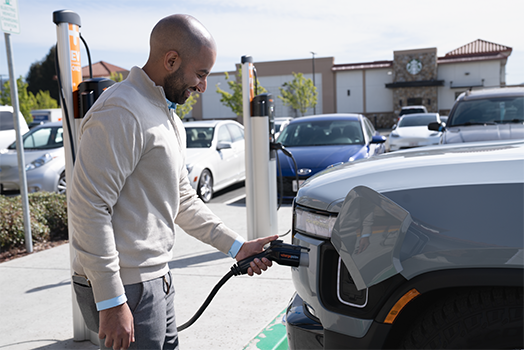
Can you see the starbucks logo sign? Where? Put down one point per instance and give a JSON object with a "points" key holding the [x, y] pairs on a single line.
{"points": [[414, 66]]}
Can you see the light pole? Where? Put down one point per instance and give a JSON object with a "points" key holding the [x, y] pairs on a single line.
{"points": [[313, 62]]}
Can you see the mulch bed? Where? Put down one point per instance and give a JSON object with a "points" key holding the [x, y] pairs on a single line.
{"points": [[37, 247]]}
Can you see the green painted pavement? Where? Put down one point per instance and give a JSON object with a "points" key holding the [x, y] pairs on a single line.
{"points": [[272, 337]]}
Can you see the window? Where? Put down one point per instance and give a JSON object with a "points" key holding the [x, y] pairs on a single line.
{"points": [[224, 135], [236, 132], [43, 138]]}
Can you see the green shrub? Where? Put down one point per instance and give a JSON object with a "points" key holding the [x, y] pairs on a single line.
{"points": [[48, 213]]}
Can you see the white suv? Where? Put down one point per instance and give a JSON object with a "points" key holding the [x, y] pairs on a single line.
{"points": [[7, 128]]}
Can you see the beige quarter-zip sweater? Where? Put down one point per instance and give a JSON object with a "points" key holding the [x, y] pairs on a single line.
{"points": [[130, 187]]}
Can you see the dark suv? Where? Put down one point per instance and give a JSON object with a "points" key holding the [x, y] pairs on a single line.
{"points": [[491, 114]]}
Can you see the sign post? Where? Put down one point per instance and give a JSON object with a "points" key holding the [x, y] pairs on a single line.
{"points": [[11, 24]]}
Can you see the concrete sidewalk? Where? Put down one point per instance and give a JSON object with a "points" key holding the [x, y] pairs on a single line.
{"points": [[36, 306]]}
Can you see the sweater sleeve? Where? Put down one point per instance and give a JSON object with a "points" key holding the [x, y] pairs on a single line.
{"points": [[109, 149], [196, 219]]}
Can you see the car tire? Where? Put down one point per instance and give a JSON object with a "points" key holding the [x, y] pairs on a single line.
{"points": [[205, 186], [481, 318], [61, 188]]}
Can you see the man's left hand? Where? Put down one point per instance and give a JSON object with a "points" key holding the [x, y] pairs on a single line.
{"points": [[254, 247]]}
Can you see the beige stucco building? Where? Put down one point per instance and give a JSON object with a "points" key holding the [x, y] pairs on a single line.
{"points": [[376, 89]]}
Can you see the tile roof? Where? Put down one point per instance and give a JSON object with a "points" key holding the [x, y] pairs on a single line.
{"points": [[480, 47], [365, 65], [102, 69]]}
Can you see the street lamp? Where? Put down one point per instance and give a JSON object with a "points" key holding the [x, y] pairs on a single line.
{"points": [[313, 62]]}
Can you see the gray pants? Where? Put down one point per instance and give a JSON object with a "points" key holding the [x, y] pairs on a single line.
{"points": [[152, 305]]}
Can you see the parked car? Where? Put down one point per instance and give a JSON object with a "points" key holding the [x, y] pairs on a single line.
{"points": [[420, 248], [412, 131], [321, 141], [44, 161], [412, 110], [280, 124], [215, 155], [7, 126], [491, 114]]}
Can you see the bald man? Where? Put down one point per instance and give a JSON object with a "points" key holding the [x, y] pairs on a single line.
{"points": [[130, 188]]}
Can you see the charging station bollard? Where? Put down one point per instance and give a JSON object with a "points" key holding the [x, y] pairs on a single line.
{"points": [[261, 174]]}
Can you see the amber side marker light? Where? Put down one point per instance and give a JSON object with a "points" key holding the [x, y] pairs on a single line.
{"points": [[399, 305]]}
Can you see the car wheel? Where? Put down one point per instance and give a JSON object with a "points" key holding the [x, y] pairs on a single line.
{"points": [[483, 318], [205, 186], [62, 183]]}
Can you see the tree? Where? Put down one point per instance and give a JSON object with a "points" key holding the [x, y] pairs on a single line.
{"points": [[116, 77], [42, 75], [234, 100], [300, 93], [183, 110], [27, 101]]}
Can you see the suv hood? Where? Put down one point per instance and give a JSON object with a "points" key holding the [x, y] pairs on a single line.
{"points": [[423, 167], [474, 133]]}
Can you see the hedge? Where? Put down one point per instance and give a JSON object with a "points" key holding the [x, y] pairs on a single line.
{"points": [[48, 212]]}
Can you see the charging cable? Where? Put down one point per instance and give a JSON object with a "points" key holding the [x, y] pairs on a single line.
{"points": [[279, 252]]}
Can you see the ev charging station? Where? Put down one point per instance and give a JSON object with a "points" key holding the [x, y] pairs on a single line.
{"points": [[76, 96], [261, 168]]}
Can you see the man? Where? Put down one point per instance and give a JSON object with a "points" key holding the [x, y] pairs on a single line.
{"points": [[130, 188]]}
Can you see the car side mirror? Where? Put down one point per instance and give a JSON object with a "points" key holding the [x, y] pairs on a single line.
{"points": [[378, 139], [436, 126], [224, 145], [394, 127]]}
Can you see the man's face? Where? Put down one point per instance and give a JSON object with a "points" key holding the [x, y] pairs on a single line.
{"points": [[189, 77]]}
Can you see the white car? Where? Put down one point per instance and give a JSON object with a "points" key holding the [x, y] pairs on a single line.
{"points": [[412, 131], [215, 155], [7, 128], [44, 161]]}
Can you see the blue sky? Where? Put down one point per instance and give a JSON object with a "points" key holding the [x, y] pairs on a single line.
{"points": [[117, 31]]}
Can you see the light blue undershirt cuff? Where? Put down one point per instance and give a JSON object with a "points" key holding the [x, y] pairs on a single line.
{"points": [[236, 246], [107, 304]]}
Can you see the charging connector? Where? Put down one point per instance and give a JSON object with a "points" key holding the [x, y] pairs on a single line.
{"points": [[278, 251]]}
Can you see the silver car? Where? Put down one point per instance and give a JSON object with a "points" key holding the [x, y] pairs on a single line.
{"points": [[44, 161], [483, 115]]}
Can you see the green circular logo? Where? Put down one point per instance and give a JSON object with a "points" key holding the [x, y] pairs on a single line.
{"points": [[414, 66]]}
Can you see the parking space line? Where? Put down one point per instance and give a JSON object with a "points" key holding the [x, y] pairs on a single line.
{"points": [[272, 337]]}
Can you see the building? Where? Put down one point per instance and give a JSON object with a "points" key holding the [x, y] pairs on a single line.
{"points": [[376, 89], [103, 69]]}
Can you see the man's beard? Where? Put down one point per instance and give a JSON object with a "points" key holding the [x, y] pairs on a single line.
{"points": [[175, 88]]}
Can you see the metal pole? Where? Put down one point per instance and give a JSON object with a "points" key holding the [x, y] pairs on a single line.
{"points": [[313, 61], [19, 146]]}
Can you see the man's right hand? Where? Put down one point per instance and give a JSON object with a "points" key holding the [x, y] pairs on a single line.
{"points": [[117, 327]]}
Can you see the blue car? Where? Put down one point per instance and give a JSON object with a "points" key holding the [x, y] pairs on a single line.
{"points": [[320, 141]]}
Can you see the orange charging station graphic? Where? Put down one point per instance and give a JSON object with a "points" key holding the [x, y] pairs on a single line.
{"points": [[76, 66], [251, 83]]}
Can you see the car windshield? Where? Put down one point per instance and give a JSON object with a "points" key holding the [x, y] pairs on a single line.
{"points": [[323, 132], [43, 138], [419, 120], [489, 111], [200, 137]]}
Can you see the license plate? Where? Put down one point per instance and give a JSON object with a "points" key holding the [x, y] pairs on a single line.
{"points": [[295, 187]]}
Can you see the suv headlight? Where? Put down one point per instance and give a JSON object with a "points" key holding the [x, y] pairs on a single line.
{"points": [[314, 223], [38, 162]]}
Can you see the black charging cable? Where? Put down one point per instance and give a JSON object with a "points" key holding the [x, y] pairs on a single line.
{"points": [[279, 252], [62, 97], [279, 146]]}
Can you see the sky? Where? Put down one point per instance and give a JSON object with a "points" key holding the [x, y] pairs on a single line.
{"points": [[117, 31]]}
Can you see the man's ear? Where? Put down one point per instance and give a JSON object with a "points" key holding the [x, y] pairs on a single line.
{"points": [[172, 61]]}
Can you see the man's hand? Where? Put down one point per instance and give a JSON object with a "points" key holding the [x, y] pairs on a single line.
{"points": [[254, 247], [116, 326]]}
